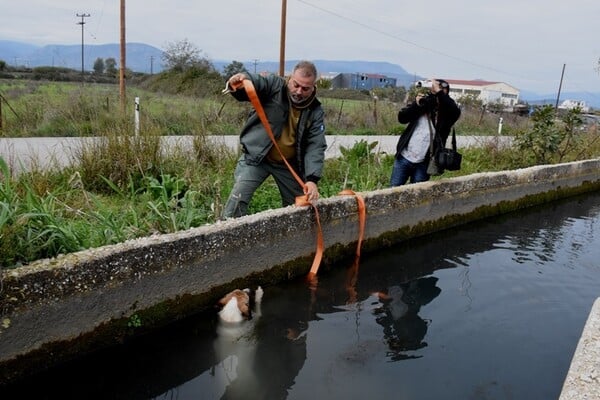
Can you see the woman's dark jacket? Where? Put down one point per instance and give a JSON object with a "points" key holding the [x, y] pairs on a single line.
{"points": [[443, 112], [310, 135]]}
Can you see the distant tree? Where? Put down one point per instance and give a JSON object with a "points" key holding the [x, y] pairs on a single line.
{"points": [[471, 102], [323, 83], [233, 69], [110, 66], [495, 107], [2, 65], [183, 55], [99, 66]]}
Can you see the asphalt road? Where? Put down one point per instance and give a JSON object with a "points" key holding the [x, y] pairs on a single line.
{"points": [[25, 153]]}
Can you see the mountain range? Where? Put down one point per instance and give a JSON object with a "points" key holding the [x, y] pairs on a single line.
{"points": [[144, 58]]}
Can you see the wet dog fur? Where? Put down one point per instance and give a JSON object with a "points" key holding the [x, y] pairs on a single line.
{"points": [[237, 305]]}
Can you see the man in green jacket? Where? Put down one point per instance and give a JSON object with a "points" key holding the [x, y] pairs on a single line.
{"points": [[296, 118]]}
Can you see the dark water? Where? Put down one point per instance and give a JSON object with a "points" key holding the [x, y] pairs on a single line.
{"points": [[491, 310]]}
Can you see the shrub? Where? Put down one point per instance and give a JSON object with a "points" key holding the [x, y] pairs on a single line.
{"points": [[553, 137]]}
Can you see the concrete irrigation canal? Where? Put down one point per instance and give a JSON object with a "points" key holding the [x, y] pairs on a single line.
{"points": [[56, 309]]}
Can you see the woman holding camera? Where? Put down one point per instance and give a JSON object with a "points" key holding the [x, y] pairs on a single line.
{"points": [[412, 150]]}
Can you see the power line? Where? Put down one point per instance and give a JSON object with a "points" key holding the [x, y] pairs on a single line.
{"points": [[100, 20], [405, 40]]}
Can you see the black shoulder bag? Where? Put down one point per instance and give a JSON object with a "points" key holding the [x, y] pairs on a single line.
{"points": [[449, 159]]}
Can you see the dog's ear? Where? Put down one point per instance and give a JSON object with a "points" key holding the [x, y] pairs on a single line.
{"points": [[225, 299]]}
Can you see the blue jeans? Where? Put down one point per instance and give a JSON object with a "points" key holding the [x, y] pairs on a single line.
{"points": [[404, 169]]}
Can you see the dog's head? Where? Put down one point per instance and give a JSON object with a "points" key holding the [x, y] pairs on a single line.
{"points": [[235, 306]]}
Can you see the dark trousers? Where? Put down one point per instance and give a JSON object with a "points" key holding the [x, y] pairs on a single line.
{"points": [[249, 177]]}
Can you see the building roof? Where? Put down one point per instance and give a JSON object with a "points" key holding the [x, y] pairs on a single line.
{"points": [[376, 76], [367, 74], [475, 82]]}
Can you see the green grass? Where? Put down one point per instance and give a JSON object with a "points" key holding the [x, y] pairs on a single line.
{"points": [[68, 109], [44, 108]]}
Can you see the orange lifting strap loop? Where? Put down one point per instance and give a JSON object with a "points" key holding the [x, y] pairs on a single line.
{"points": [[362, 216], [303, 200]]}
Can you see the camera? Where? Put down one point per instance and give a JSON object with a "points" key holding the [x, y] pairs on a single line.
{"points": [[428, 101], [428, 83], [424, 84]]}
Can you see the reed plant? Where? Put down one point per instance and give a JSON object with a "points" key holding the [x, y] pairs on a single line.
{"points": [[360, 168]]}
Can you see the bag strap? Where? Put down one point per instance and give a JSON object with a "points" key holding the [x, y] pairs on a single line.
{"points": [[431, 135], [453, 140]]}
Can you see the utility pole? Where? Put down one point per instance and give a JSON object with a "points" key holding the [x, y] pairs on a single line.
{"points": [[255, 62], [560, 87], [123, 52], [282, 43], [82, 23]]}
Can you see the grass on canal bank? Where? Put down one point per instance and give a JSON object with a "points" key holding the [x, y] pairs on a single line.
{"points": [[124, 187]]}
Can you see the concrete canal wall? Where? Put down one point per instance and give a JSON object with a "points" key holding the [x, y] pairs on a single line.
{"points": [[59, 308], [583, 378]]}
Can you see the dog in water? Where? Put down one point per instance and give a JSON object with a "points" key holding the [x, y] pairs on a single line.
{"points": [[236, 342], [237, 306]]}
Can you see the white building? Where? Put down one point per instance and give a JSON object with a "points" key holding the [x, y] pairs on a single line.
{"points": [[571, 104], [486, 92]]}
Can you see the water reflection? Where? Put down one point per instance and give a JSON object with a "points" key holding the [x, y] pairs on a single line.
{"points": [[403, 329], [266, 356]]}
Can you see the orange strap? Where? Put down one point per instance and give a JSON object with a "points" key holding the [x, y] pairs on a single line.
{"points": [[352, 274], [302, 200], [251, 92], [362, 216]]}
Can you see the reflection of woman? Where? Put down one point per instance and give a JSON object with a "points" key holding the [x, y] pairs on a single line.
{"points": [[403, 329]]}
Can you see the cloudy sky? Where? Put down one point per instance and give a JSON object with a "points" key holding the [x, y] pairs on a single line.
{"points": [[522, 43]]}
